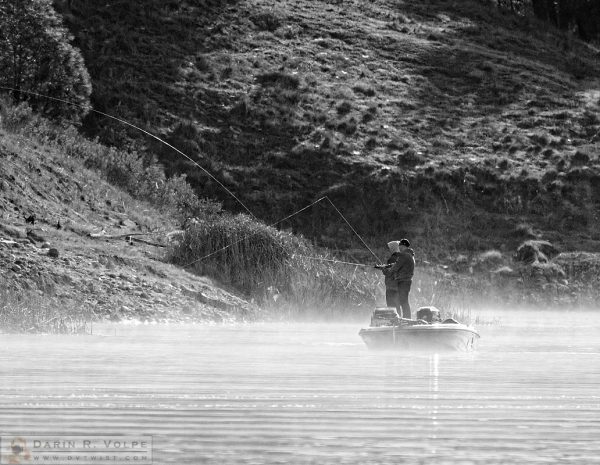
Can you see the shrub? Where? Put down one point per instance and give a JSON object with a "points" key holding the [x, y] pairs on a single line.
{"points": [[371, 143], [524, 230], [250, 254], [535, 251], [368, 117], [284, 80], [580, 158], [347, 127], [548, 153], [202, 64], [261, 261], [344, 108], [410, 157], [540, 139], [267, 20], [504, 164], [488, 261], [361, 89], [397, 143], [549, 270]]}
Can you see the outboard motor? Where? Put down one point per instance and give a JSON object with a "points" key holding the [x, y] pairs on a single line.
{"points": [[385, 316], [429, 314]]}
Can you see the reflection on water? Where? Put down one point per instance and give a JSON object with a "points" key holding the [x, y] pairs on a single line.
{"points": [[312, 393]]}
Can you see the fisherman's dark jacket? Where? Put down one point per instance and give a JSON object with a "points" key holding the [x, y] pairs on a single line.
{"points": [[403, 268]]}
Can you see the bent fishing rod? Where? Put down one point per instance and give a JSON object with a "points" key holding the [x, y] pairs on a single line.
{"points": [[154, 136]]}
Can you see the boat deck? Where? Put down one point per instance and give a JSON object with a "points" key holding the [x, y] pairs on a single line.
{"points": [[439, 336]]}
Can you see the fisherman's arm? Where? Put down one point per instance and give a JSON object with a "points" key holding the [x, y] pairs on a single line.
{"points": [[389, 269]]}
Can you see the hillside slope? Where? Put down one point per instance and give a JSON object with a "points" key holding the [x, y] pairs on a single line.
{"points": [[458, 122], [56, 219]]}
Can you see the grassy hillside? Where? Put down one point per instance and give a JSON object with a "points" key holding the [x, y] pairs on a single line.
{"points": [[87, 232], [75, 248], [459, 122]]}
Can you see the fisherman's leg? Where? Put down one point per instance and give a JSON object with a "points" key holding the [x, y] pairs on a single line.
{"points": [[391, 299], [403, 291]]}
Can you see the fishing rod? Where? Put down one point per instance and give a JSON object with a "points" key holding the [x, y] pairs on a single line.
{"points": [[353, 230], [148, 133], [321, 259], [247, 236], [253, 234], [139, 129]]}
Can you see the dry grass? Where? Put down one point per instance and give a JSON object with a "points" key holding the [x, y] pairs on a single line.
{"points": [[279, 270], [30, 312]]}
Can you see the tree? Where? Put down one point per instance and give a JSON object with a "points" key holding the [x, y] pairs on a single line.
{"points": [[36, 56], [580, 16], [545, 9]]}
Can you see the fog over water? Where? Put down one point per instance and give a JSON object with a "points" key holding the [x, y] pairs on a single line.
{"points": [[313, 394]]}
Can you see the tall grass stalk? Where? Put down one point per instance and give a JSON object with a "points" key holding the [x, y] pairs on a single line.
{"points": [[29, 312], [278, 270]]}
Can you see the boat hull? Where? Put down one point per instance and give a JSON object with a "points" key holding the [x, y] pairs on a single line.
{"points": [[438, 336]]}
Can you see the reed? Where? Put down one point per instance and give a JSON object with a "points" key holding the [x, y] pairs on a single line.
{"points": [[278, 270], [28, 312], [462, 299]]}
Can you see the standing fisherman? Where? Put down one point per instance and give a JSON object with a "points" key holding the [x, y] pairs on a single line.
{"points": [[398, 273]]}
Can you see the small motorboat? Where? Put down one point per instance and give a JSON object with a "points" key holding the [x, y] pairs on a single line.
{"points": [[427, 331]]}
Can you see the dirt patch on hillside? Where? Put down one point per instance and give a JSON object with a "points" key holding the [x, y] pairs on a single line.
{"points": [[68, 236]]}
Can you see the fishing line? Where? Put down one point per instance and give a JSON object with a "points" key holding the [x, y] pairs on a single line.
{"points": [[254, 234], [206, 172], [139, 129], [353, 230], [304, 256], [333, 261]]}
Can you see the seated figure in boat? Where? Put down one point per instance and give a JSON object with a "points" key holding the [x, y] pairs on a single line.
{"points": [[398, 273]]}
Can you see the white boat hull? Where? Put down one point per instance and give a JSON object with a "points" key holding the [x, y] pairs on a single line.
{"points": [[437, 336]]}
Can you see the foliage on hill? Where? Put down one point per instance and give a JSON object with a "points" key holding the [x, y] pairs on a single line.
{"points": [[466, 128], [74, 248], [579, 16], [454, 119], [140, 176], [274, 267], [266, 265], [36, 56]]}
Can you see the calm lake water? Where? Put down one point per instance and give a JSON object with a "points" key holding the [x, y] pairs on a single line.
{"points": [[313, 394]]}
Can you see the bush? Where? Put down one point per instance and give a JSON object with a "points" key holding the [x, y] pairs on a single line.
{"points": [[263, 263], [524, 230], [36, 56], [248, 255], [344, 107], [580, 158], [284, 80], [268, 20], [488, 261], [365, 90], [535, 251]]}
